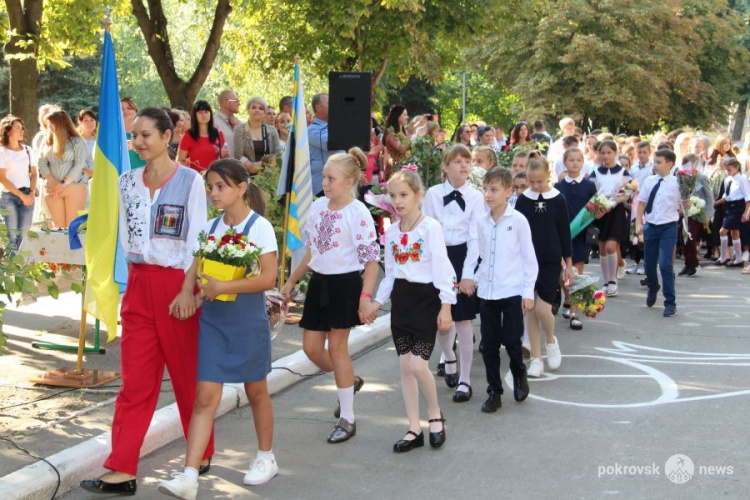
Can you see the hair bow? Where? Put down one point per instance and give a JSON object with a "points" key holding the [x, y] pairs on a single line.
{"points": [[410, 166]]}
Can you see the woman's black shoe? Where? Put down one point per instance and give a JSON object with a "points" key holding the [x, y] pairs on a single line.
{"points": [[205, 468], [437, 439], [493, 403], [441, 370], [451, 379], [462, 396], [521, 388], [98, 486], [405, 445]]}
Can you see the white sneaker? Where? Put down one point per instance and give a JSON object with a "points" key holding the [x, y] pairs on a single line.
{"points": [[261, 471], [641, 270], [554, 356], [605, 288], [632, 270], [611, 289], [620, 272], [180, 486], [536, 368]]}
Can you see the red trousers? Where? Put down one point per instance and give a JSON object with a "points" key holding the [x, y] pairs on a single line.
{"points": [[152, 337]]}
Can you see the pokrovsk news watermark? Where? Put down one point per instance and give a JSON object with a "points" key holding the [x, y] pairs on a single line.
{"points": [[678, 468]]}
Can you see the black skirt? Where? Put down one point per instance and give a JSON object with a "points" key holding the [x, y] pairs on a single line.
{"points": [[548, 280], [615, 225], [415, 310], [332, 302], [733, 218], [465, 308]]}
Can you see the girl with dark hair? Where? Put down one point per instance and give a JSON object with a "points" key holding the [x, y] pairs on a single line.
{"points": [[396, 136], [162, 211], [62, 164], [520, 134], [235, 340], [203, 143], [18, 178], [463, 136], [87, 123]]}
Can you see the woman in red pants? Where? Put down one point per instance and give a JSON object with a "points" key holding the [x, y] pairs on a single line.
{"points": [[162, 210]]}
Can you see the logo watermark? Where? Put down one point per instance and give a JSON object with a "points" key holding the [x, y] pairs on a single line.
{"points": [[678, 468]]}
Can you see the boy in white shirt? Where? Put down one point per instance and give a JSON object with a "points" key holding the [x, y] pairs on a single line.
{"points": [[505, 279]]}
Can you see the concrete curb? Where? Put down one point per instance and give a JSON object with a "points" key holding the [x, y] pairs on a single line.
{"points": [[84, 461]]}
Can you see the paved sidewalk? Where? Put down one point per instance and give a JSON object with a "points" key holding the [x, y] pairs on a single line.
{"points": [[634, 390]]}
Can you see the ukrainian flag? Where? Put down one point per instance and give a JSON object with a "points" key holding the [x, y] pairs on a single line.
{"points": [[295, 175], [105, 263]]}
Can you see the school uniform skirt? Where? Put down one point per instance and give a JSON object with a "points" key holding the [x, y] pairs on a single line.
{"points": [[581, 249], [332, 302], [615, 225], [414, 317], [733, 218], [465, 308], [548, 280]]}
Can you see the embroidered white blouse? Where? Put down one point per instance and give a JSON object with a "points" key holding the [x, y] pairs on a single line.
{"points": [[340, 241], [418, 256], [162, 231]]}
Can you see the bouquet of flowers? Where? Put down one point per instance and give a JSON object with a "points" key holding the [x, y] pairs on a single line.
{"points": [[227, 258], [697, 209], [630, 188], [687, 179], [588, 213], [587, 297]]}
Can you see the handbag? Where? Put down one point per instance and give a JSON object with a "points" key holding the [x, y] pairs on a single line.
{"points": [[592, 235]]}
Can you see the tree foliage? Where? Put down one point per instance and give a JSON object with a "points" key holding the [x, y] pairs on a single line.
{"points": [[624, 64]]}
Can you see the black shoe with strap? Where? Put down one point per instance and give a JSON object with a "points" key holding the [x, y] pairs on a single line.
{"points": [[342, 432], [437, 439], [404, 445], [125, 488], [451, 379], [463, 396], [205, 468]]}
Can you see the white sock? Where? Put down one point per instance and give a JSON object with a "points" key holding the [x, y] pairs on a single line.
{"points": [[265, 455], [466, 351], [191, 474], [724, 248], [525, 341], [346, 400], [737, 245], [446, 345], [604, 263], [612, 267]]}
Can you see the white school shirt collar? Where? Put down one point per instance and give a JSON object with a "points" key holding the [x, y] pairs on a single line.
{"points": [[578, 179], [509, 211], [546, 195], [448, 188]]}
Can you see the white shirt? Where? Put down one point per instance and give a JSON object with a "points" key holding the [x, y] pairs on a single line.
{"points": [[17, 167], [588, 167], [738, 188], [555, 150], [456, 223], [559, 167], [418, 256], [640, 173], [509, 267], [667, 201], [163, 231], [609, 180], [340, 241], [260, 234], [221, 121]]}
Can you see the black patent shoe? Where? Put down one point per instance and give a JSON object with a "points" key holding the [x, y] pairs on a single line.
{"points": [[451, 379], [342, 432], [405, 445], [125, 488], [493, 403], [440, 370], [358, 383], [463, 396], [521, 388], [205, 468], [437, 439]]}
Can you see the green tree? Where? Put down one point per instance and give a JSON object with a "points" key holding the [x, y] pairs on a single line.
{"points": [[624, 64]]}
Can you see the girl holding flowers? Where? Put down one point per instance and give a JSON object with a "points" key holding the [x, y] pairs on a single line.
{"points": [[235, 339]]}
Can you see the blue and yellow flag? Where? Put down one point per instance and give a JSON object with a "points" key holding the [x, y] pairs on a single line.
{"points": [[295, 175], [105, 264]]}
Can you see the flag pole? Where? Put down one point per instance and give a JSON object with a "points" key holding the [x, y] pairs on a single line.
{"points": [[282, 274], [290, 177]]}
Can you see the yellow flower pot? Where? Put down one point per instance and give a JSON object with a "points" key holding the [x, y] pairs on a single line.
{"points": [[222, 272]]}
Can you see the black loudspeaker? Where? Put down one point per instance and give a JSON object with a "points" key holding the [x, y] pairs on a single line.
{"points": [[349, 110]]}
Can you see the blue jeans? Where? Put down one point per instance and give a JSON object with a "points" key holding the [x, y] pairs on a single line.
{"points": [[18, 218], [659, 243]]}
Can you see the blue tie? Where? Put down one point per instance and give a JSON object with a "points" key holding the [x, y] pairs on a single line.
{"points": [[652, 197]]}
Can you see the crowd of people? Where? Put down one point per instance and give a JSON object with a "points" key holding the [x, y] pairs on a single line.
{"points": [[489, 239]]}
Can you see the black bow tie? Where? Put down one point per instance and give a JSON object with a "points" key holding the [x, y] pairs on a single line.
{"points": [[456, 196]]}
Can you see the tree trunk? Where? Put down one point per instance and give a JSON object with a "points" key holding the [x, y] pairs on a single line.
{"points": [[739, 119], [376, 76], [25, 22], [153, 25]]}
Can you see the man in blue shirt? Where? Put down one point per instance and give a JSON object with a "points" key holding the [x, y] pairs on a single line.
{"points": [[317, 134]]}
